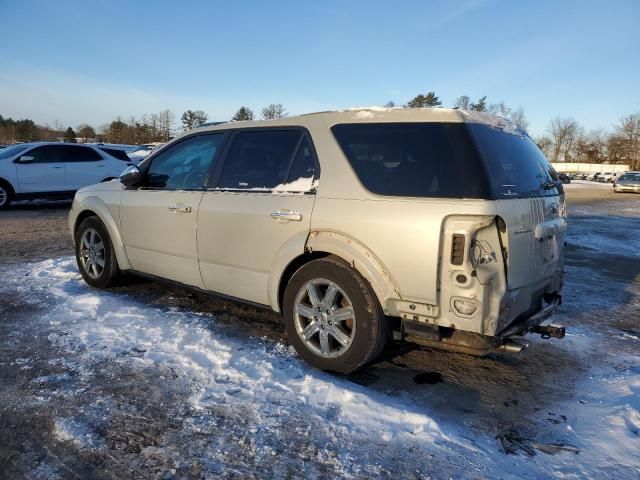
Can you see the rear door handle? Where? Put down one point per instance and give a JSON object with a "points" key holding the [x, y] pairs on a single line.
{"points": [[179, 208], [287, 214]]}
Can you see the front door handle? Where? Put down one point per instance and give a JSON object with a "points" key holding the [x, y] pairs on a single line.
{"points": [[287, 214], [179, 208]]}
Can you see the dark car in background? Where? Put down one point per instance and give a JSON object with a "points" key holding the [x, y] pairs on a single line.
{"points": [[564, 178]]}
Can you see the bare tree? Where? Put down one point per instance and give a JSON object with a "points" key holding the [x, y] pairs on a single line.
{"points": [[463, 102], [517, 116], [564, 132], [545, 144], [165, 120], [628, 128], [274, 110]]}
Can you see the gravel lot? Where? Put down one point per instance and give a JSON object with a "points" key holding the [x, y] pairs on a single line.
{"points": [[83, 395]]}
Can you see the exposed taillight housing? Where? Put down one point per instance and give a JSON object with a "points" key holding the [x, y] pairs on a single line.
{"points": [[457, 249]]}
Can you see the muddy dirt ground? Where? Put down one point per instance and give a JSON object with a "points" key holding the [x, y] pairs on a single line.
{"points": [[522, 400]]}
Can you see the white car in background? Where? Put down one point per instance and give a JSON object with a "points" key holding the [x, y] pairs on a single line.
{"points": [[607, 177], [55, 170], [142, 151]]}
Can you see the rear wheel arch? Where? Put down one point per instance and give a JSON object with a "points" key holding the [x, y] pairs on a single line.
{"points": [[359, 257]]}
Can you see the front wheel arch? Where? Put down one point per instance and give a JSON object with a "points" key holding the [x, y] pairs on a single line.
{"points": [[9, 189]]}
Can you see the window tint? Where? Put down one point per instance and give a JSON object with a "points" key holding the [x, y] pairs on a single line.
{"points": [[516, 165], [13, 150], [259, 159], [115, 153], [302, 173], [47, 154], [185, 165], [80, 154], [414, 159]]}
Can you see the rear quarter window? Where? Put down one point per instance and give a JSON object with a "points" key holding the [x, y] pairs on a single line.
{"points": [[414, 159], [516, 165]]}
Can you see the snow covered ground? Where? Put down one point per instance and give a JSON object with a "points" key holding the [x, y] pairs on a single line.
{"points": [[109, 384]]}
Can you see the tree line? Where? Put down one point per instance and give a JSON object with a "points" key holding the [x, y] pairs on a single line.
{"points": [[563, 141]]}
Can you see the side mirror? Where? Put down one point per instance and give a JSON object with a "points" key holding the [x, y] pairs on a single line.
{"points": [[131, 176], [26, 159]]}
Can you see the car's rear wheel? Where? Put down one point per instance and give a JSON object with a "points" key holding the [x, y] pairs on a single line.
{"points": [[94, 253], [332, 317], [6, 195]]}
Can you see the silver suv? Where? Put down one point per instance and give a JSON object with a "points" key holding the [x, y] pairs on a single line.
{"points": [[436, 226]]}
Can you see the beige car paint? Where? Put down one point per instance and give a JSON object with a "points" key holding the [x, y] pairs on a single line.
{"points": [[158, 229], [399, 245], [240, 240]]}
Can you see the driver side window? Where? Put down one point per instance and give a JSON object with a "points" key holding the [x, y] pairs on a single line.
{"points": [[185, 165]]}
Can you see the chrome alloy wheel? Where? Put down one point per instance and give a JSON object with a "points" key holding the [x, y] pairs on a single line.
{"points": [[92, 253], [324, 318]]}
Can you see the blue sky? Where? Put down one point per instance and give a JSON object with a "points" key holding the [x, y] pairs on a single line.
{"points": [[73, 62]]}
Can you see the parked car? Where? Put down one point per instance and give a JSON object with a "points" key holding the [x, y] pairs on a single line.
{"points": [[564, 178], [54, 170], [436, 226], [628, 182], [595, 176], [142, 151], [608, 177]]}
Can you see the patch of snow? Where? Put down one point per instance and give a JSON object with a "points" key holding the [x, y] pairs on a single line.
{"points": [[70, 430], [247, 371]]}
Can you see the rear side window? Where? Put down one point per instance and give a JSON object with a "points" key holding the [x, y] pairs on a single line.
{"points": [[115, 153], [516, 165], [414, 159], [80, 154], [264, 160]]}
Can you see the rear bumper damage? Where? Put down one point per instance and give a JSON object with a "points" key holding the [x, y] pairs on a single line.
{"points": [[479, 345]]}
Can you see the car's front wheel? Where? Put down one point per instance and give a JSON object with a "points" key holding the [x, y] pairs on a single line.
{"points": [[94, 253], [332, 317]]}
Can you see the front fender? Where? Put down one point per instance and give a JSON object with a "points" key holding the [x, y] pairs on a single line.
{"points": [[109, 215]]}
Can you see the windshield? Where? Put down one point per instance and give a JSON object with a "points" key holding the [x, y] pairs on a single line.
{"points": [[516, 165], [11, 151], [630, 177]]}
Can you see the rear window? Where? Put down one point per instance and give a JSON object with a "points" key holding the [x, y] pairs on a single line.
{"points": [[516, 165], [414, 159], [119, 154]]}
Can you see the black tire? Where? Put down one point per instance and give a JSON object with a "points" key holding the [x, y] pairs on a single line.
{"points": [[110, 271], [371, 332], [6, 195]]}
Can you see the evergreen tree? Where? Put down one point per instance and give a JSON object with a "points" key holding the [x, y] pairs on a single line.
{"points": [[481, 106], [70, 135], [243, 113], [390, 104], [192, 119], [424, 101]]}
